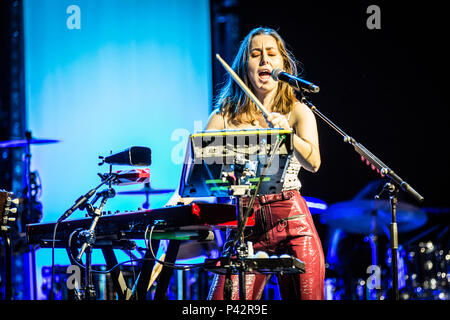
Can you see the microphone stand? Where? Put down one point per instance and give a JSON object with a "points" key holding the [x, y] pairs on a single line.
{"points": [[29, 209], [239, 190], [393, 192], [88, 239], [80, 203], [238, 245], [392, 187]]}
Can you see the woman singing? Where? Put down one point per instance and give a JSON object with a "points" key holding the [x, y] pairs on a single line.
{"points": [[283, 222]]}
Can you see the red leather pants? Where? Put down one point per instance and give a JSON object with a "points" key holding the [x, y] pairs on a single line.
{"points": [[283, 226]]}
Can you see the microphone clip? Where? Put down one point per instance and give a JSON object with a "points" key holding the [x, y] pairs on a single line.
{"points": [[102, 160], [107, 177]]}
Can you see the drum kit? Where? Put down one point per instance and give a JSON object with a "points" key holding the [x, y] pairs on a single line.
{"points": [[24, 142], [424, 269], [29, 209], [423, 258]]}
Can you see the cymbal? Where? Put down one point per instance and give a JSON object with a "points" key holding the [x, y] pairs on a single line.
{"points": [[24, 142], [372, 216], [146, 190], [193, 249], [315, 205]]}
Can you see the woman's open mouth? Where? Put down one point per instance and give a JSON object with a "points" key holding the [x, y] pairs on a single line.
{"points": [[264, 75]]}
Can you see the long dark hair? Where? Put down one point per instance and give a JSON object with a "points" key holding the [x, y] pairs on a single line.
{"points": [[233, 103]]}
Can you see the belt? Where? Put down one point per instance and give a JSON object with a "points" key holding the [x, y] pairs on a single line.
{"points": [[270, 198]]}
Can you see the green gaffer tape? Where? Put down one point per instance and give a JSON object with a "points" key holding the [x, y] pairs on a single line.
{"points": [[216, 181]]}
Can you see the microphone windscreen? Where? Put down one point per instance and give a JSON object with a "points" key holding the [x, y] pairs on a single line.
{"points": [[275, 73], [134, 156]]}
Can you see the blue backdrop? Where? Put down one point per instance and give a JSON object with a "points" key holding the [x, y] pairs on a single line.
{"points": [[106, 75]]}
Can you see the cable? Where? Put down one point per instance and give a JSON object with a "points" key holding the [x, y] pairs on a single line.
{"points": [[132, 265], [52, 295], [149, 246], [164, 263], [72, 258], [253, 197], [177, 266]]}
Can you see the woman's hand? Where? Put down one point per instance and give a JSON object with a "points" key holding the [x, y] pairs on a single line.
{"points": [[278, 121]]}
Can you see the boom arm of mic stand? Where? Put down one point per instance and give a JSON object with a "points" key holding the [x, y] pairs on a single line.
{"points": [[369, 156], [97, 215], [81, 201], [385, 170]]}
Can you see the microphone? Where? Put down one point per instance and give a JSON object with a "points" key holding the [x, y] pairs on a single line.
{"points": [[132, 176], [297, 83], [119, 178], [133, 156], [80, 202]]}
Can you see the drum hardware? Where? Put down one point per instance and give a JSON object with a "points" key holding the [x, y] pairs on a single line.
{"points": [[147, 191], [359, 216], [427, 265], [6, 210], [32, 186], [372, 289], [422, 268], [32, 208], [25, 142], [371, 218], [31, 199]]}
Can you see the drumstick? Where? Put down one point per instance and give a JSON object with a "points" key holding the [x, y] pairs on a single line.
{"points": [[243, 86]]}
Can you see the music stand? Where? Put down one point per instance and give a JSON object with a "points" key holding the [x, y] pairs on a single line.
{"points": [[236, 163], [211, 157]]}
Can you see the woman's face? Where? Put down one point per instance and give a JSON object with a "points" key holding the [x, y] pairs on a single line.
{"points": [[264, 57]]}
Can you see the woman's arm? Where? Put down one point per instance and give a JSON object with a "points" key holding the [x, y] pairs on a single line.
{"points": [[306, 140], [215, 121]]}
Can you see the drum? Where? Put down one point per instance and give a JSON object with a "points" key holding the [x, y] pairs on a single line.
{"points": [[425, 270]]}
